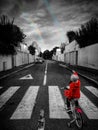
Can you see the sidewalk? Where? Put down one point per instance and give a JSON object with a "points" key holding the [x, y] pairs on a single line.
{"points": [[4, 74], [88, 73]]}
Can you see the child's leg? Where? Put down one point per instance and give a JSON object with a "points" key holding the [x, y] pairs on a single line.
{"points": [[76, 103], [65, 100], [68, 103]]}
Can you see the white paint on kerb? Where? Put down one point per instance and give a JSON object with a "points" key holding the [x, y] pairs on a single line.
{"points": [[56, 104], [63, 65], [25, 107], [7, 95], [15, 71]]}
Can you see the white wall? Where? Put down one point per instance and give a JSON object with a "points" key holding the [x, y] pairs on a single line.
{"points": [[55, 57], [31, 58], [24, 58], [88, 56], [5, 62], [71, 47], [61, 57], [70, 52], [20, 58]]}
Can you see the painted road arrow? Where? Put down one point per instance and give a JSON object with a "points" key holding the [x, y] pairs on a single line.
{"points": [[27, 77]]}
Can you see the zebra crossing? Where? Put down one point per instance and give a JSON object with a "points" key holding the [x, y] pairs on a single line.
{"points": [[88, 107], [92, 90], [7, 95], [56, 102], [24, 109]]}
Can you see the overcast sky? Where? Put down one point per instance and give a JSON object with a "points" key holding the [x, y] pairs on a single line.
{"points": [[47, 21]]}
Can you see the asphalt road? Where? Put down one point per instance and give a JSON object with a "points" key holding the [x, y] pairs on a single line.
{"points": [[25, 93]]}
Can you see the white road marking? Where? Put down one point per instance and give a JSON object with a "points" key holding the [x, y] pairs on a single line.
{"points": [[45, 72], [88, 107], [25, 107], [16, 71], [63, 65], [27, 77], [7, 95], [0, 87], [46, 67], [56, 104], [93, 90], [45, 79], [45, 76]]}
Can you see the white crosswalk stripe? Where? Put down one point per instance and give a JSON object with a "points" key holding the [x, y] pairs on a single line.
{"points": [[88, 107], [7, 95], [25, 107], [92, 90], [0, 87], [56, 104]]}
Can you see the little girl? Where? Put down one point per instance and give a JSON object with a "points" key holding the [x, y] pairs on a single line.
{"points": [[74, 90]]}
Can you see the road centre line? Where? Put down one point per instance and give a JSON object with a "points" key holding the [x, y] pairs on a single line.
{"points": [[46, 67], [45, 72], [45, 76], [45, 79]]}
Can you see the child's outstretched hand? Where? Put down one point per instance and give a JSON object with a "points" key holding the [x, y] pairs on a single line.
{"points": [[62, 88], [73, 71]]}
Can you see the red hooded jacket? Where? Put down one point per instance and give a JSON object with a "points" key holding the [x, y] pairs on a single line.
{"points": [[74, 90]]}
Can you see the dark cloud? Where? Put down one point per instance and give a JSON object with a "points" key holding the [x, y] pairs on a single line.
{"points": [[3, 3], [49, 19], [80, 1], [16, 7]]}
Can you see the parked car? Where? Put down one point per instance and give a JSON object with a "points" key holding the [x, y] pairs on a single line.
{"points": [[39, 60]]}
